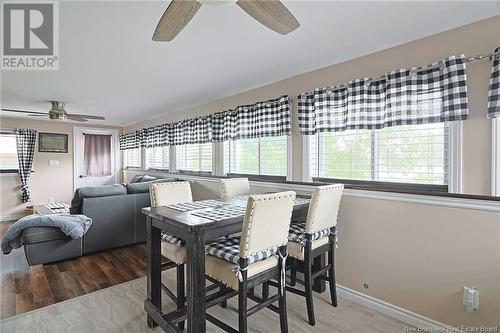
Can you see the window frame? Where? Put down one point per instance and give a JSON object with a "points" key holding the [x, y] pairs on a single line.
{"points": [[454, 169], [192, 172], [144, 160], [263, 177], [141, 158], [9, 171]]}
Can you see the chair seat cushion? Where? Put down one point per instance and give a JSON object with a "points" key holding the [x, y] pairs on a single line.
{"points": [[173, 252], [296, 250], [222, 270], [229, 250], [297, 233], [172, 239]]}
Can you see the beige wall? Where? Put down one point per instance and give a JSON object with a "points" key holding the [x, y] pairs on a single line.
{"points": [[416, 256], [473, 39], [46, 181]]}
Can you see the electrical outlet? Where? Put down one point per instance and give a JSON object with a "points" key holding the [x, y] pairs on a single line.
{"points": [[471, 299], [53, 163], [52, 200]]}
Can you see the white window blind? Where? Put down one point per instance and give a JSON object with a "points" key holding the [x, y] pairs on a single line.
{"points": [[194, 157], [260, 156], [415, 154], [157, 158], [132, 158], [8, 152]]}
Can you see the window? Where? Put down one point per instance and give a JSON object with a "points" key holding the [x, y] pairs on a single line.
{"points": [[194, 157], [8, 153], [260, 156], [157, 158], [132, 158], [414, 154]]}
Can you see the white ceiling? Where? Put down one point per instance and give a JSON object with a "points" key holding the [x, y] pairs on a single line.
{"points": [[109, 66]]}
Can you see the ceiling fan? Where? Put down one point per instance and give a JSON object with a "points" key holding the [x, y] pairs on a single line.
{"points": [[271, 13], [57, 112]]}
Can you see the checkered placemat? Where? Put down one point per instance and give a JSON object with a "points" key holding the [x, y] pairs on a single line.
{"points": [[187, 206], [225, 212], [58, 207], [301, 201], [229, 211]]}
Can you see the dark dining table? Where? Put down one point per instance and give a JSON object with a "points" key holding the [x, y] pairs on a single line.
{"points": [[195, 231]]}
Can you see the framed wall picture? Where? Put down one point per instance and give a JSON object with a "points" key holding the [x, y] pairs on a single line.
{"points": [[52, 143]]}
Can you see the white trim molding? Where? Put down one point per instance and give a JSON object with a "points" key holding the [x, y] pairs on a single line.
{"points": [[455, 157], [391, 310], [495, 156], [422, 199]]}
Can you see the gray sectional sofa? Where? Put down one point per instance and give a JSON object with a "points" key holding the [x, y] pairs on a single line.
{"points": [[116, 221]]}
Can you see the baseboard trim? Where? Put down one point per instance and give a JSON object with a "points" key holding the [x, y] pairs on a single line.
{"points": [[407, 317], [8, 218]]}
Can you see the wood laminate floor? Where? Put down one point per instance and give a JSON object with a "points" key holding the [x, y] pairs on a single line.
{"points": [[25, 288]]}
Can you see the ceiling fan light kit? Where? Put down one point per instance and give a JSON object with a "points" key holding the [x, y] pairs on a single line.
{"points": [[270, 13]]}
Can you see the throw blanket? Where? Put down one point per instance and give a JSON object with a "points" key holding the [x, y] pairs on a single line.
{"points": [[74, 226]]}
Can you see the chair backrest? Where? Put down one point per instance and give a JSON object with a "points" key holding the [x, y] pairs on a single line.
{"points": [[169, 193], [324, 207], [233, 187], [266, 222]]}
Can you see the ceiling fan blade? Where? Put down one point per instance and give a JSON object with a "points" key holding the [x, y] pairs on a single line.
{"points": [[76, 118], [86, 116], [37, 115], [174, 19], [271, 13], [23, 111]]}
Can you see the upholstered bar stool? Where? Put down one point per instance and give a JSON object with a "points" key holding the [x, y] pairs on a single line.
{"points": [[259, 256], [314, 237], [233, 187], [164, 194]]}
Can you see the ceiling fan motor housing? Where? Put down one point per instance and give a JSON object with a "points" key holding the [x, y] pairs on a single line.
{"points": [[57, 110]]}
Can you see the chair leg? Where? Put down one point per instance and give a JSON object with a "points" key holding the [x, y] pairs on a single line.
{"points": [[293, 272], [265, 290], [242, 305], [308, 283], [223, 304], [181, 296], [331, 274], [282, 305]]}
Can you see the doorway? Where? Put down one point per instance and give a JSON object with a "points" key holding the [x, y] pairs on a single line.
{"points": [[95, 156]]}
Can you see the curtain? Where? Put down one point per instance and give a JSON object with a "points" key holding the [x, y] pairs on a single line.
{"points": [[130, 140], [494, 90], [25, 142], [421, 95], [97, 155], [262, 119], [269, 118]]}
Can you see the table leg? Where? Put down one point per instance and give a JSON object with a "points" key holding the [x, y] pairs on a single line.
{"points": [[153, 239], [196, 283], [319, 284]]}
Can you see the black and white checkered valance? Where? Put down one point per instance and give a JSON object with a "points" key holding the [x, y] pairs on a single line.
{"points": [[269, 118], [25, 142], [421, 95], [190, 131], [130, 140], [494, 90]]}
